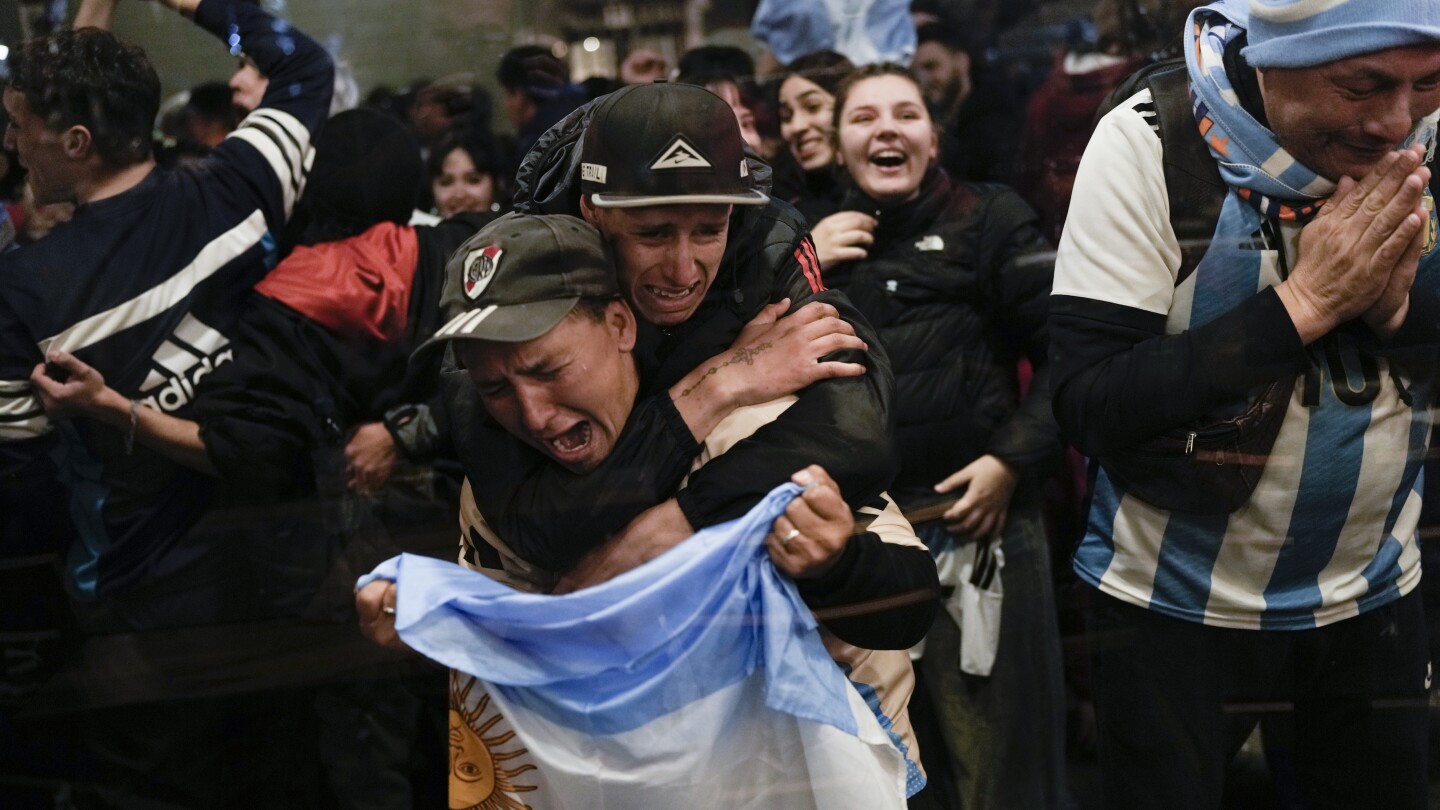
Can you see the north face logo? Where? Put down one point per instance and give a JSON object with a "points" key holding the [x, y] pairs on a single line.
{"points": [[191, 352], [680, 155]]}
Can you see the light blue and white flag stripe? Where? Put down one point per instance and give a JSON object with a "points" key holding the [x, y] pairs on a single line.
{"points": [[697, 676]]}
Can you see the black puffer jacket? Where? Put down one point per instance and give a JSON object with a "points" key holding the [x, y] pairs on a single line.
{"points": [[297, 385], [957, 284]]}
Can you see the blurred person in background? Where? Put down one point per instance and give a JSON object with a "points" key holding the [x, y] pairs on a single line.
{"points": [[165, 256], [248, 86], [536, 90], [725, 60], [730, 91], [956, 281], [209, 114], [977, 114], [465, 174], [322, 426], [642, 66], [445, 105], [1061, 115], [194, 121], [807, 123]]}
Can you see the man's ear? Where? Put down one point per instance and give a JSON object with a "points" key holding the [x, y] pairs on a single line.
{"points": [[588, 212], [620, 319], [76, 142]]}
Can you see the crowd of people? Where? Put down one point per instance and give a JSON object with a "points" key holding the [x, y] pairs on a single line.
{"points": [[260, 338]]}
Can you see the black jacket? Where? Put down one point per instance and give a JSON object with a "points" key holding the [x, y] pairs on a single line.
{"points": [[957, 284], [296, 386], [553, 517]]}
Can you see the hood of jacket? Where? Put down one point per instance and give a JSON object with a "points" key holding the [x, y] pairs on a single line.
{"points": [[357, 288], [548, 180]]}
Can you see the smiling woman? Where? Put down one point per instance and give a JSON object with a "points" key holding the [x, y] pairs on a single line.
{"points": [[885, 137], [948, 280]]}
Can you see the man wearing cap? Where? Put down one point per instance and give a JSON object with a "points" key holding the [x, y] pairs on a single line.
{"points": [[700, 251], [547, 342], [1286, 379]]}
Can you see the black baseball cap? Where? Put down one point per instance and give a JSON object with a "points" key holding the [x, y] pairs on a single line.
{"points": [[519, 276], [665, 144]]}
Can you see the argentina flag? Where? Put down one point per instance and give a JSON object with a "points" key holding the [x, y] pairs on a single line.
{"points": [[697, 680]]}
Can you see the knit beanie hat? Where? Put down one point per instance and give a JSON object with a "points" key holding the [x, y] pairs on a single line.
{"points": [[1306, 33]]}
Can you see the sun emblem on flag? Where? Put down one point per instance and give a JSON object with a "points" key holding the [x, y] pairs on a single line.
{"points": [[478, 778]]}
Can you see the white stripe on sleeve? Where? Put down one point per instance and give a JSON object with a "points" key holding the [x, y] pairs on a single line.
{"points": [[222, 250]]}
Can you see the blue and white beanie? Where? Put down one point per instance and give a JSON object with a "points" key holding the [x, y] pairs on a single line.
{"points": [[1306, 33]]}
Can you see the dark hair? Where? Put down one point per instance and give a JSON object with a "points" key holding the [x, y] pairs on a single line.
{"points": [[478, 146], [1141, 27], [713, 81], [825, 68], [711, 59], [86, 77], [456, 99], [860, 74], [593, 309], [534, 71], [948, 36], [597, 86], [483, 152], [367, 170], [213, 101]]}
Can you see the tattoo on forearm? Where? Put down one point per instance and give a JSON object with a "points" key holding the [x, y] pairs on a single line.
{"points": [[744, 355]]}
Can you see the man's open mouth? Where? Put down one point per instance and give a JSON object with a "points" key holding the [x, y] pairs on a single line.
{"points": [[671, 294], [573, 440]]}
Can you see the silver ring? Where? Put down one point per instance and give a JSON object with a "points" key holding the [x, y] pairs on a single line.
{"points": [[387, 610], [790, 535]]}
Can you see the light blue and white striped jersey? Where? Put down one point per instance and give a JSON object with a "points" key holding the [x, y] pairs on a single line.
{"points": [[1331, 529]]}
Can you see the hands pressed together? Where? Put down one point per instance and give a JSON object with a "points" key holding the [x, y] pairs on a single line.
{"points": [[1359, 255]]}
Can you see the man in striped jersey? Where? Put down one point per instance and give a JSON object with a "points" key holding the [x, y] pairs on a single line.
{"points": [[144, 284], [1300, 599]]}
